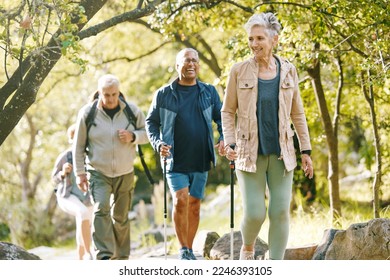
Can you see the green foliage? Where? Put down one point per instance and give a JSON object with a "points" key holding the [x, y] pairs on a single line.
{"points": [[35, 23], [4, 232], [29, 227]]}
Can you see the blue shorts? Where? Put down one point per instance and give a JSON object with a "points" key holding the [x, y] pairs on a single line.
{"points": [[195, 181]]}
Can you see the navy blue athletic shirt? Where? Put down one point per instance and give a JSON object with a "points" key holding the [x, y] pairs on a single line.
{"points": [[191, 152]]}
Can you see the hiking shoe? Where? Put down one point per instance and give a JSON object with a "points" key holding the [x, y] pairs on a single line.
{"points": [[246, 255], [87, 257], [184, 254], [191, 254]]}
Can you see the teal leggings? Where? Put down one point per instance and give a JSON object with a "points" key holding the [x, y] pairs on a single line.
{"points": [[271, 173]]}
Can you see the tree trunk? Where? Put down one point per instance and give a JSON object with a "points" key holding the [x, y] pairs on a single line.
{"points": [[51, 206], [331, 138], [368, 92]]}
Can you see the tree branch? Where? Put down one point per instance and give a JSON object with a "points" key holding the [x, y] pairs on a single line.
{"points": [[128, 16], [346, 38], [138, 57], [212, 63], [140, 2], [17, 11]]}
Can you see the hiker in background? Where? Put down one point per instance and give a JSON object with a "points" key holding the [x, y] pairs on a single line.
{"points": [[179, 126], [106, 152], [262, 98], [72, 200]]}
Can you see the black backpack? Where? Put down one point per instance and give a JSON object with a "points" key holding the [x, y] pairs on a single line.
{"points": [[90, 120]]}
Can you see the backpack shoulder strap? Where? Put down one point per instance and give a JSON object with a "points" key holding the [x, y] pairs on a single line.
{"points": [[129, 114], [90, 119], [144, 165], [133, 120]]}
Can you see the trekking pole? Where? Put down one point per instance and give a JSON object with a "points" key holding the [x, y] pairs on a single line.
{"points": [[232, 168], [165, 207]]}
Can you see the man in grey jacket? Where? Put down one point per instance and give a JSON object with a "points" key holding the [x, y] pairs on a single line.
{"points": [[111, 149]]}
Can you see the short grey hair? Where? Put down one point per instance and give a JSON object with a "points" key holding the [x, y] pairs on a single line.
{"points": [[267, 20], [181, 54], [107, 80]]}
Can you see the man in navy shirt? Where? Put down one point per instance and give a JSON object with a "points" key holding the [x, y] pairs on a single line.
{"points": [[179, 127]]}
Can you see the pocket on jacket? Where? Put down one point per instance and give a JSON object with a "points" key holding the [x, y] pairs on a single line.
{"points": [[288, 83], [287, 91], [290, 141], [246, 83], [242, 137], [246, 95]]}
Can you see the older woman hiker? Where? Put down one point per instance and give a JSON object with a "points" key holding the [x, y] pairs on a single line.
{"points": [[262, 99]]}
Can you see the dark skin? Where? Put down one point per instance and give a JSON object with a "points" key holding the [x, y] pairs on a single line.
{"points": [[186, 207]]}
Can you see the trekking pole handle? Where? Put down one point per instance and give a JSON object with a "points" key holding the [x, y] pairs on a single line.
{"points": [[232, 164]]}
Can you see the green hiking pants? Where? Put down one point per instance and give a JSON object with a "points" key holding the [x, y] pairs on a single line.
{"points": [[111, 226], [270, 172]]}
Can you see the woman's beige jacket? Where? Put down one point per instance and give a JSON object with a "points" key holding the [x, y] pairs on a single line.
{"points": [[239, 119]]}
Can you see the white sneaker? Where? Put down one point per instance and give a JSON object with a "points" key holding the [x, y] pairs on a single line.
{"points": [[246, 255], [87, 257]]}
